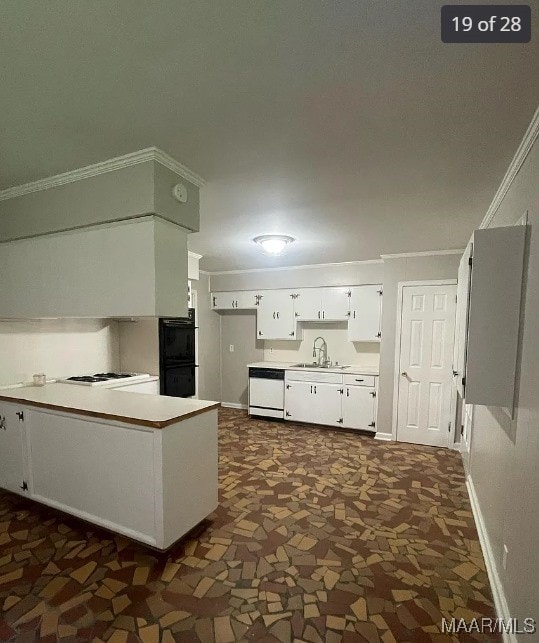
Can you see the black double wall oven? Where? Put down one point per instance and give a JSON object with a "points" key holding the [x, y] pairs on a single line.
{"points": [[177, 367]]}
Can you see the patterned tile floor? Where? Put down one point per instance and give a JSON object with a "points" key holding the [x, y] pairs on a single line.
{"points": [[320, 535]]}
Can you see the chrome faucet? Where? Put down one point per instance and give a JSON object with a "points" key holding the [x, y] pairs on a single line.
{"points": [[322, 350]]}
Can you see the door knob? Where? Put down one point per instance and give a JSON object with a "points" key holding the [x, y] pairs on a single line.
{"points": [[404, 374]]}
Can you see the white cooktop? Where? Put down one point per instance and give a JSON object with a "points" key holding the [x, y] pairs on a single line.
{"points": [[106, 379]]}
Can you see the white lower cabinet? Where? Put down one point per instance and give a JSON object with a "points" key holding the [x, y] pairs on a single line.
{"points": [[331, 399], [152, 485], [12, 465], [313, 402], [359, 408]]}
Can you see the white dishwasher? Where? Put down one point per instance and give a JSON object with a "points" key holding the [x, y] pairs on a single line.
{"points": [[266, 392]]}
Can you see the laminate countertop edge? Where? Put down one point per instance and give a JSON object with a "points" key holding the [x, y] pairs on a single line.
{"points": [[154, 424]]}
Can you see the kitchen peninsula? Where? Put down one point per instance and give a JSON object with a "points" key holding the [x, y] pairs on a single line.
{"points": [[144, 466]]}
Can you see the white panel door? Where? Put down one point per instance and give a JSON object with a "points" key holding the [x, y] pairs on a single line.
{"points": [[308, 304], [425, 364], [11, 448], [365, 314], [275, 316], [358, 407], [335, 304]]}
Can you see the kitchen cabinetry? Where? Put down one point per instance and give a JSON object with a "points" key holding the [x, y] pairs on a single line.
{"points": [[321, 304], [314, 402], [359, 407], [12, 467], [123, 477], [237, 300], [331, 399], [147, 388], [275, 318], [365, 314]]}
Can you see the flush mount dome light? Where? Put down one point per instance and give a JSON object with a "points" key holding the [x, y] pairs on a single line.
{"points": [[273, 244]]}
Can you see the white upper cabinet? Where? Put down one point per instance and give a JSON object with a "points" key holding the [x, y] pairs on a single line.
{"points": [[236, 300], [307, 304], [275, 318], [365, 314], [321, 304], [335, 304]]}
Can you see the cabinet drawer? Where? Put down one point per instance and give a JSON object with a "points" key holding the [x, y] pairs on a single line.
{"points": [[314, 376], [359, 380]]}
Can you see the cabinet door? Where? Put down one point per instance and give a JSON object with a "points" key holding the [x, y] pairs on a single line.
{"points": [[335, 304], [11, 448], [327, 404], [223, 300], [297, 402], [275, 317], [307, 304], [358, 405], [365, 314], [246, 299]]}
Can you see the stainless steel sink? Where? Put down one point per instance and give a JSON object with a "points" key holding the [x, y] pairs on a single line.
{"points": [[315, 365]]}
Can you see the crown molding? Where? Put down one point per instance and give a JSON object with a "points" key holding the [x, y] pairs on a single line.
{"points": [[134, 158], [426, 253], [313, 265], [520, 156]]}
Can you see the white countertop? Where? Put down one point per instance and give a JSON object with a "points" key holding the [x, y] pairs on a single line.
{"points": [[155, 411], [354, 369]]}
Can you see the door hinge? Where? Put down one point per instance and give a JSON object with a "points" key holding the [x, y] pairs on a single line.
{"points": [[20, 415], [373, 424], [464, 381], [292, 334], [288, 414], [373, 393], [349, 293], [470, 261], [24, 485], [260, 332], [287, 387], [341, 391], [294, 295], [379, 334], [381, 292], [340, 421]]}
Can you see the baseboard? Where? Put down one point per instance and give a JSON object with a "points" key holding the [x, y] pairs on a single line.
{"points": [[232, 405], [383, 436], [496, 586]]}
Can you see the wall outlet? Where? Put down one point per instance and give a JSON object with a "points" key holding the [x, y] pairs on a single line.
{"points": [[231, 348], [504, 556]]}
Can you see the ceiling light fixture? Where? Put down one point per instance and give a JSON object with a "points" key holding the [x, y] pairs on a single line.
{"points": [[273, 244]]}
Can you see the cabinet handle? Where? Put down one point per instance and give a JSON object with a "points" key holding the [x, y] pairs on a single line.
{"points": [[354, 314], [311, 389], [273, 315], [359, 380], [214, 302], [347, 392], [318, 314], [315, 390], [277, 315]]}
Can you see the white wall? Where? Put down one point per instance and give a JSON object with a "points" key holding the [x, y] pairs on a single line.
{"points": [[59, 347], [504, 453], [339, 348]]}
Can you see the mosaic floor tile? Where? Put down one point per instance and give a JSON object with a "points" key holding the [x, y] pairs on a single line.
{"points": [[320, 536]]}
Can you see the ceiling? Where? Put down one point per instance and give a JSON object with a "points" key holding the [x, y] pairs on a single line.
{"points": [[346, 124]]}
